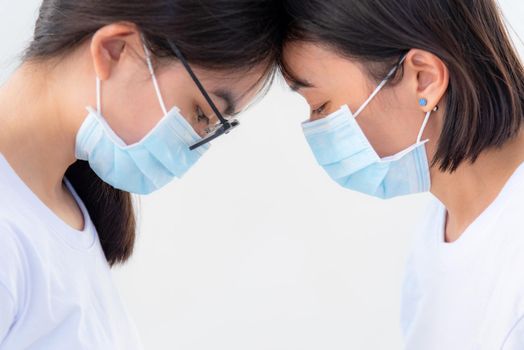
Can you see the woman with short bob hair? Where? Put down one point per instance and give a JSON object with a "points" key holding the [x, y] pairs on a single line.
{"points": [[416, 96]]}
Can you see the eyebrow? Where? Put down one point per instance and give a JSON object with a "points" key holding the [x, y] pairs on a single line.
{"points": [[227, 96], [297, 84]]}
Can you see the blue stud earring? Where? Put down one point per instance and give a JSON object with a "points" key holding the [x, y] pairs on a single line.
{"points": [[423, 102]]}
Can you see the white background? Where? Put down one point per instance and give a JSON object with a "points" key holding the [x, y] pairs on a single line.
{"points": [[256, 248]]}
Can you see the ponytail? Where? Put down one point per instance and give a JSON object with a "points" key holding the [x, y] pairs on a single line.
{"points": [[213, 34], [110, 209]]}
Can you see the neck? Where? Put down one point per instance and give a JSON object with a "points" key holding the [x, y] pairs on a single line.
{"points": [[37, 137], [469, 190]]}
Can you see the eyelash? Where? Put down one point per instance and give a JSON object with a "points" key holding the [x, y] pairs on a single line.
{"points": [[320, 109], [201, 116]]}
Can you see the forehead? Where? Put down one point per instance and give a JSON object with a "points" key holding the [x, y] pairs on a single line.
{"points": [[304, 52], [315, 64], [242, 85], [302, 60]]}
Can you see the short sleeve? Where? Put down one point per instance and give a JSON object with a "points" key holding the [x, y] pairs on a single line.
{"points": [[7, 312], [11, 278], [515, 338]]}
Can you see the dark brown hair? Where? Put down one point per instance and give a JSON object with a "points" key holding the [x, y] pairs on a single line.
{"points": [[215, 34], [485, 99]]}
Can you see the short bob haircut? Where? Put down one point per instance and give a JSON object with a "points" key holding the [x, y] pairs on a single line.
{"points": [[485, 98]]}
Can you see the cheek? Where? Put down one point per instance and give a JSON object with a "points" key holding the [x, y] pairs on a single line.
{"points": [[180, 91], [131, 109], [348, 87], [390, 121], [391, 128]]}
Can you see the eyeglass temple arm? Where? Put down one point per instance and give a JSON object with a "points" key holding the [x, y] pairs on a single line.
{"points": [[182, 59]]}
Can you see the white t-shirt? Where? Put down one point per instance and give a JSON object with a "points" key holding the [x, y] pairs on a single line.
{"points": [[56, 290], [468, 294]]}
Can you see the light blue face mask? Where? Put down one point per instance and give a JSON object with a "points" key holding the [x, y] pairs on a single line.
{"points": [[146, 166], [342, 149]]}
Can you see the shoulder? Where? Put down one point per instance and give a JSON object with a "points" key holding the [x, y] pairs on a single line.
{"points": [[508, 248]]}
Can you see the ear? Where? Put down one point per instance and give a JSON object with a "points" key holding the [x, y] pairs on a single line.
{"points": [[432, 77], [108, 45]]}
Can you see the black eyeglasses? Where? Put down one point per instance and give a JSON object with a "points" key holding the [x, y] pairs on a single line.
{"points": [[225, 125]]}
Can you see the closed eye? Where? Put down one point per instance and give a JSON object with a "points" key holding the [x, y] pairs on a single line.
{"points": [[201, 117], [319, 110]]}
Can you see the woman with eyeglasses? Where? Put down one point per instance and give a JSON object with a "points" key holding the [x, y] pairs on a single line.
{"points": [[426, 96], [113, 97]]}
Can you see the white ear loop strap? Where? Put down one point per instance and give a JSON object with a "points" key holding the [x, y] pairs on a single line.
{"points": [[155, 82], [379, 87], [424, 123], [98, 96]]}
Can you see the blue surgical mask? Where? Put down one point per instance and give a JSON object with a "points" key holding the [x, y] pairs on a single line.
{"points": [[146, 166], [343, 150]]}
